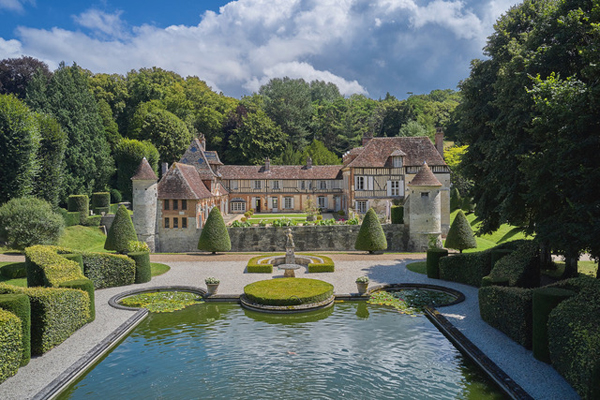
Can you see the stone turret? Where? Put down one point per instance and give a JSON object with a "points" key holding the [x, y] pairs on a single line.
{"points": [[424, 211], [145, 203]]}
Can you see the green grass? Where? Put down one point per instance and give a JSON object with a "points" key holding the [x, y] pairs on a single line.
{"points": [[83, 238], [15, 282], [420, 267], [584, 267], [159, 269], [276, 216]]}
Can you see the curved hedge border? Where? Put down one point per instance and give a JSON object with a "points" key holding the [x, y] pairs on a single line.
{"points": [[319, 264], [10, 344], [46, 267], [288, 291], [18, 304]]}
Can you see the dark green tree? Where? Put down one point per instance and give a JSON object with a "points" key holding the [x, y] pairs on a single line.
{"points": [[319, 154], [20, 142], [121, 232], [214, 236], [16, 73], [460, 236], [67, 97], [288, 156], [51, 157], [128, 155], [111, 129], [371, 237]]}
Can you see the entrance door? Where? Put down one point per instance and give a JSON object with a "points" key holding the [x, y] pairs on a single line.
{"points": [[257, 205], [337, 205]]}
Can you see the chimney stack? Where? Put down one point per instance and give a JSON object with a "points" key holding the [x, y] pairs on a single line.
{"points": [[439, 140], [366, 137], [308, 163], [202, 142], [164, 169], [267, 164]]}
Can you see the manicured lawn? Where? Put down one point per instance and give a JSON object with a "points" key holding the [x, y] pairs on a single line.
{"points": [[159, 269], [83, 238], [584, 268], [420, 267], [16, 282]]}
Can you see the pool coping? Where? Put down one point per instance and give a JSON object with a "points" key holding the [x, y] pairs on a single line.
{"points": [[460, 341]]}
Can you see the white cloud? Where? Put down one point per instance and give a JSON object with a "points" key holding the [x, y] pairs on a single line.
{"points": [[360, 45], [15, 5], [10, 48]]}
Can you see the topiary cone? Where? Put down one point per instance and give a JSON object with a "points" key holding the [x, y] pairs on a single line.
{"points": [[371, 236], [460, 236], [214, 236], [121, 232]]}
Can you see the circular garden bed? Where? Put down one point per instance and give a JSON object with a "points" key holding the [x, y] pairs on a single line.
{"points": [[288, 295]]}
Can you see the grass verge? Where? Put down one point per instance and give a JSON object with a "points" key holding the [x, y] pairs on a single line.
{"points": [[420, 267], [83, 238], [159, 269]]}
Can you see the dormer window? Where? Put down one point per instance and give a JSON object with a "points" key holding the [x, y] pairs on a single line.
{"points": [[397, 161]]}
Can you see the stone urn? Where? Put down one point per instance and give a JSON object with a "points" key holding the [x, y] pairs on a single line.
{"points": [[212, 285], [362, 284]]}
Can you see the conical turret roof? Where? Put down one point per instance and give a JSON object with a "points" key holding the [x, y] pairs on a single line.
{"points": [[144, 172], [425, 177]]}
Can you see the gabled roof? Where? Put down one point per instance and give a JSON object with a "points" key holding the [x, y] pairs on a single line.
{"points": [[425, 177], [144, 172], [378, 151], [182, 182], [281, 172], [201, 159]]}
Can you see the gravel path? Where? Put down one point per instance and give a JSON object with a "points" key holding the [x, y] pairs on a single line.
{"points": [[540, 380]]}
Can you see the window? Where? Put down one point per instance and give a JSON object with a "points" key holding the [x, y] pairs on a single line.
{"points": [[303, 185], [184, 204], [233, 185], [167, 223], [257, 185], [184, 223], [397, 161], [166, 205], [322, 201], [322, 185], [425, 194], [395, 188], [361, 207], [175, 222], [275, 202], [175, 205], [288, 202], [238, 206], [275, 185], [360, 183]]}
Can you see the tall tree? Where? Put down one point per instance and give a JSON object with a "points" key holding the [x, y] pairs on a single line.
{"points": [[68, 97], [319, 154], [16, 73], [51, 156], [128, 155]]}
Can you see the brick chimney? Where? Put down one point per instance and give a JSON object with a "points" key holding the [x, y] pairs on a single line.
{"points": [[267, 164], [366, 137], [308, 163], [439, 140]]}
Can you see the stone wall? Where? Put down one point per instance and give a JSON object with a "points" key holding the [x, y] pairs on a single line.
{"points": [[306, 238]]}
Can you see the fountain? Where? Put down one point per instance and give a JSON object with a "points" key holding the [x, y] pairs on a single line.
{"points": [[289, 265]]}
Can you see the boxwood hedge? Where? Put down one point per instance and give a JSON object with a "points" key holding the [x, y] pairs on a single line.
{"points": [[109, 270], [14, 271], [80, 204], [10, 344], [100, 200], [288, 291], [87, 286], [18, 304], [254, 267], [45, 267], [467, 268], [55, 314], [508, 309], [520, 268], [143, 268], [433, 262]]}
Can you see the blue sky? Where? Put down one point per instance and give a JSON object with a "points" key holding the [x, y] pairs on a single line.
{"points": [[364, 46]]}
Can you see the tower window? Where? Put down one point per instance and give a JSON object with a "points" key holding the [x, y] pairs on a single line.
{"points": [[175, 205], [184, 223], [184, 204], [175, 222], [167, 223], [425, 194], [166, 204]]}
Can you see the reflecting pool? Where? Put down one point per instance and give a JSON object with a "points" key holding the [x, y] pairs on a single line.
{"points": [[353, 350]]}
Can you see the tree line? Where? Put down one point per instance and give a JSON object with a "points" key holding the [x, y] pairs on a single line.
{"points": [[86, 131]]}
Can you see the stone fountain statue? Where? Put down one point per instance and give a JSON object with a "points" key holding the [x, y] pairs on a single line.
{"points": [[290, 257]]}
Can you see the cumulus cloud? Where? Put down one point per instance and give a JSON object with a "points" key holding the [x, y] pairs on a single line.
{"points": [[10, 48], [14, 5], [363, 46]]}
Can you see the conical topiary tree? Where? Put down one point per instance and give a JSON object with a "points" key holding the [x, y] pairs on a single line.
{"points": [[214, 236], [370, 236], [460, 236], [121, 232]]}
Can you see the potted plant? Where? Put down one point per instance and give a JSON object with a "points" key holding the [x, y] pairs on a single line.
{"points": [[212, 285], [362, 282]]}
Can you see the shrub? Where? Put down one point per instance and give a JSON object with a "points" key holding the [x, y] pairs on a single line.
{"points": [[214, 236], [115, 196], [326, 266], [433, 262], [460, 236], [243, 219], [74, 257], [18, 304], [109, 270], [544, 301], [93, 221], [45, 267], [247, 214], [80, 204], [288, 291], [254, 267], [508, 309], [143, 268], [29, 221], [465, 268], [520, 268], [99, 210], [574, 338], [55, 314], [455, 199], [136, 246], [10, 344], [397, 214], [14, 271], [72, 218], [87, 286], [371, 236], [121, 232], [100, 200]]}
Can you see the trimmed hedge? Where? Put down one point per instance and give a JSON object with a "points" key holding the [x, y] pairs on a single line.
{"points": [[433, 262], [93, 221], [72, 218], [14, 271], [467, 268], [460, 236], [75, 257], [254, 267], [87, 286], [109, 270], [326, 266], [80, 204], [508, 309], [214, 236], [521, 267], [100, 210], [371, 237], [545, 300], [288, 291], [10, 344], [397, 214], [55, 314], [45, 267], [143, 269], [18, 304], [100, 200], [121, 232]]}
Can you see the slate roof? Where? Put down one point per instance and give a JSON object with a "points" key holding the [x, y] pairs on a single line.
{"points": [[425, 177], [182, 182], [322, 172], [144, 172], [200, 159], [378, 151]]}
